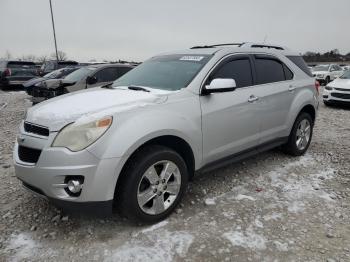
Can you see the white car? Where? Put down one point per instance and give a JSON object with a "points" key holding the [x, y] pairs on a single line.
{"points": [[327, 73], [346, 67], [338, 91]]}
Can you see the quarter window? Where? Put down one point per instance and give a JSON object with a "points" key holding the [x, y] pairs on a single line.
{"points": [[239, 70]]}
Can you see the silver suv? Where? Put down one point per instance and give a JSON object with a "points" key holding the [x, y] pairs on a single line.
{"points": [[136, 143]]}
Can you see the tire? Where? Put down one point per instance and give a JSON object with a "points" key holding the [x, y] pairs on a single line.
{"points": [[135, 184], [326, 103], [291, 147]]}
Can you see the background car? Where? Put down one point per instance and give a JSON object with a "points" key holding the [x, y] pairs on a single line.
{"points": [[327, 73], [346, 67], [52, 65], [60, 73], [338, 91], [85, 77], [15, 73]]}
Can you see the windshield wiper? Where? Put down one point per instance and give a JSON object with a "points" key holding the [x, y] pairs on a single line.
{"points": [[109, 85], [138, 88]]}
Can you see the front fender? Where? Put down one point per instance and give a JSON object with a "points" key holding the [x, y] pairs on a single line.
{"points": [[130, 130]]}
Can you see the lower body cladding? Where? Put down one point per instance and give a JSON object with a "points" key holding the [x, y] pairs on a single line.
{"points": [[73, 181], [336, 97]]}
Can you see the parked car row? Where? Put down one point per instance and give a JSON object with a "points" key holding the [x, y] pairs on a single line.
{"points": [[68, 78]]}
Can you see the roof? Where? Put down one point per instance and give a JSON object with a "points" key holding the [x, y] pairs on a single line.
{"points": [[235, 47]]}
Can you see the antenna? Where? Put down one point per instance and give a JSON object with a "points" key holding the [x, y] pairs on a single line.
{"points": [[265, 38]]}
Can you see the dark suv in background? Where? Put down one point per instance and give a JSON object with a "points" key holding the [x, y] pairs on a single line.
{"points": [[52, 65], [15, 73]]}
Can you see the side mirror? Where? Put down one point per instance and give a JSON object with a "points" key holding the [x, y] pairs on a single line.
{"points": [[220, 85], [90, 80]]}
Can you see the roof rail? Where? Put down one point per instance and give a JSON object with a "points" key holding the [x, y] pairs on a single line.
{"points": [[217, 45], [244, 44], [255, 45]]}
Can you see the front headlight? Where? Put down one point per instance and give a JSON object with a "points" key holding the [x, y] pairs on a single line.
{"points": [[329, 88], [77, 137]]}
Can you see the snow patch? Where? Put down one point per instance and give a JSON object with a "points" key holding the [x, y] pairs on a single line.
{"points": [[164, 247], [241, 197], [154, 227], [273, 216], [23, 246], [283, 247], [209, 201], [248, 239]]}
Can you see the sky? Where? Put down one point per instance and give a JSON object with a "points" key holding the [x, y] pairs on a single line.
{"points": [[138, 29]]}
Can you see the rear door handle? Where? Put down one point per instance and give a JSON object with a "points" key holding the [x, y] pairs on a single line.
{"points": [[253, 98], [291, 88]]}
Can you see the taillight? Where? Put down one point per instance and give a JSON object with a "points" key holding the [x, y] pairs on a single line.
{"points": [[7, 72], [317, 87]]}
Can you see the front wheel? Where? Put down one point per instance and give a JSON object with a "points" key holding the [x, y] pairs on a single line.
{"points": [[152, 185], [300, 137]]}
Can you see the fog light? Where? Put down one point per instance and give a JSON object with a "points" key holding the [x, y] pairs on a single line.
{"points": [[74, 186]]}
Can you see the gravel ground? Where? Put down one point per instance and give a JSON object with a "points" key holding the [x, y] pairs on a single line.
{"points": [[268, 208]]}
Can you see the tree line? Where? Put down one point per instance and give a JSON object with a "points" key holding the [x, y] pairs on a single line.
{"points": [[62, 56], [330, 56]]}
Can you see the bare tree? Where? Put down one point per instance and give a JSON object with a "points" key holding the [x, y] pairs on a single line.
{"points": [[31, 58], [42, 58], [61, 56], [8, 55]]}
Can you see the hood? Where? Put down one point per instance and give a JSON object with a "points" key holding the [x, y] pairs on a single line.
{"points": [[90, 104], [56, 83], [34, 81], [340, 83]]}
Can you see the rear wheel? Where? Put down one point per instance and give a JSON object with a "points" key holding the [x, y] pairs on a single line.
{"points": [[152, 185], [300, 136]]}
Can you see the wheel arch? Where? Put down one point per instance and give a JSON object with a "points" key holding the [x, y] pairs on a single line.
{"points": [[178, 144]]}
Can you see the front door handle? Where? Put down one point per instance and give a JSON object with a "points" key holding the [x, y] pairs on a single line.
{"points": [[291, 88], [253, 98]]}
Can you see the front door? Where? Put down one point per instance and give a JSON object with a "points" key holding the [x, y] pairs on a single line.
{"points": [[230, 122]]}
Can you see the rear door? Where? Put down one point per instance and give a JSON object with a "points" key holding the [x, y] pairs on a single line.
{"points": [[276, 91], [230, 122]]}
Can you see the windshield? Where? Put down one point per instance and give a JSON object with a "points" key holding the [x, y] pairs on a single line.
{"points": [[321, 68], [21, 65], [54, 74], [170, 72], [80, 74], [346, 75]]}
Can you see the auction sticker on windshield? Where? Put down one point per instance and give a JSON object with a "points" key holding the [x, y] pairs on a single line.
{"points": [[192, 58]]}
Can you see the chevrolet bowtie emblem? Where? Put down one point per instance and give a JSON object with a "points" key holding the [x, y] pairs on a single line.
{"points": [[20, 139]]}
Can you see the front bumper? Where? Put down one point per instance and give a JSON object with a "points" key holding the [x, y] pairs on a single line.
{"points": [[47, 175], [336, 96]]}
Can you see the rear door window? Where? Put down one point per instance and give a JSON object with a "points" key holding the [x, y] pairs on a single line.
{"points": [[237, 69], [268, 70], [107, 74]]}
